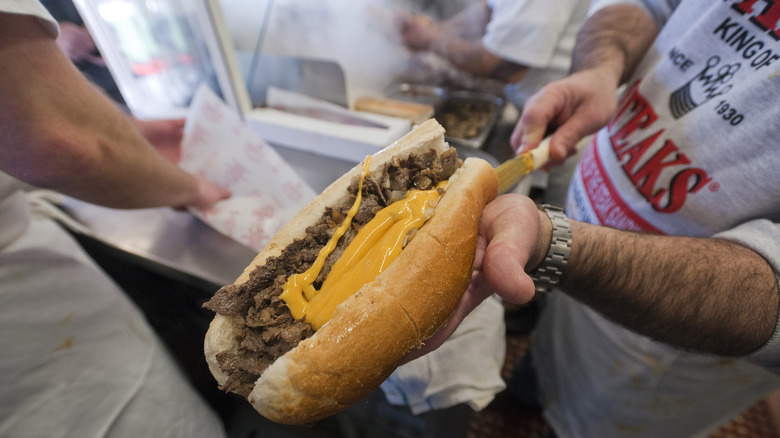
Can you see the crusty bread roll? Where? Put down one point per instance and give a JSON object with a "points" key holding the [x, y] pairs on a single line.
{"points": [[415, 112], [373, 330]]}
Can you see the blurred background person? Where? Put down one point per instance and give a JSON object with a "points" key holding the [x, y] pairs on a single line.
{"points": [[665, 320], [524, 44]]}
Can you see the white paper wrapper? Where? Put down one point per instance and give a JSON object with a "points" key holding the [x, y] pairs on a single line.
{"points": [[266, 191]]}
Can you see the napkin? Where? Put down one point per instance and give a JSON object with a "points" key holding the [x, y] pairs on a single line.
{"points": [[465, 369], [266, 191]]}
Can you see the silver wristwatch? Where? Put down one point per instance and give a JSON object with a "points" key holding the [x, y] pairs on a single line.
{"points": [[547, 276]]}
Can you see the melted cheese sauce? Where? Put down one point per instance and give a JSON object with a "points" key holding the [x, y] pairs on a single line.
{"points": [[375, 246]]}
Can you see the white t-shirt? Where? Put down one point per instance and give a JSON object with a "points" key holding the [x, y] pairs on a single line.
{"points": [[538, 34], [692, 150]]}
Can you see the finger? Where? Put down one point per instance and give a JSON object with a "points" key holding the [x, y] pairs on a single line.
{"points": [[515, 140], [563, 143], [540, 110], [505, 270], [208, 193], [561, 146], [528, 133], [510, 226], [532, 135], [477, 292], [479, 255]]}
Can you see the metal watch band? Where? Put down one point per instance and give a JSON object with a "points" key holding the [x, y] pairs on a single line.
{"points": [[547, 276]]}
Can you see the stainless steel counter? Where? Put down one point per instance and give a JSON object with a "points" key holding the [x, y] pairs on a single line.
{"points": [[181, 246]]}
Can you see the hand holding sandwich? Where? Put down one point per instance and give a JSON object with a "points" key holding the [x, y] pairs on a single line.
{"points": [[513, 238]]}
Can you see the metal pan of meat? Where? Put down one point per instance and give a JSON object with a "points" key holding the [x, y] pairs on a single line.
{"points": [[426, 94], [468, 117]]}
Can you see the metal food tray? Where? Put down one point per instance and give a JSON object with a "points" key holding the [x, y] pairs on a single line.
{"points": [[494, 106], [425, 94]]}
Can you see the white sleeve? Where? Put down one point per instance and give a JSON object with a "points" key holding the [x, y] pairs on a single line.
{"points": [[34, 8], [659, 9], [530, 32], [763, 237]]}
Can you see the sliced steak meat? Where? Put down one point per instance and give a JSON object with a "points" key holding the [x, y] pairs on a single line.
{"points": [[267, 330]]}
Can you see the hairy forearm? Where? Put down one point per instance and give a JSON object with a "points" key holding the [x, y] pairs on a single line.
{"points": [[467, 55], [63, 134], [703, 294], [613, 41], [472, 57]]}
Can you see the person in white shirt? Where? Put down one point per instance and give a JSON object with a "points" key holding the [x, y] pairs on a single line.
{"points": [[78, 358], [524, 44], [665, 320]]}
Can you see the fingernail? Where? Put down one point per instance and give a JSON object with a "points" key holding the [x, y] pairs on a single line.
{"points": [[525, 141]]}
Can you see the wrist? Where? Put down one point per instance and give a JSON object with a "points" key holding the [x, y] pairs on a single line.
{"points": [[605, 78], [548, 273], [611, 75], [437, 41]]}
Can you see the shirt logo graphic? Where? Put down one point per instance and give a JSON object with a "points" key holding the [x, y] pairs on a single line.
{"points": [[712, 81]]}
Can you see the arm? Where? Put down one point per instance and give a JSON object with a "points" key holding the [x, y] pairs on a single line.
{"points": [[458, 39], [609, 46], [62, 134], [613, 41], [705, 294], [164, 135], [419, 31], [474, 58]]}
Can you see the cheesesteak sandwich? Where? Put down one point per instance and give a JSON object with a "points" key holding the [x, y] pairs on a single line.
{"points": [[360, 277]]}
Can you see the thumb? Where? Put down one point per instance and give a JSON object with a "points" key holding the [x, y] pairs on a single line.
{"points": [[510, 226], [565, 140]]}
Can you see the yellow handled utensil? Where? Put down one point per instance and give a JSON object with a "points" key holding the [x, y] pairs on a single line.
{"points": [[512, 171]]}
